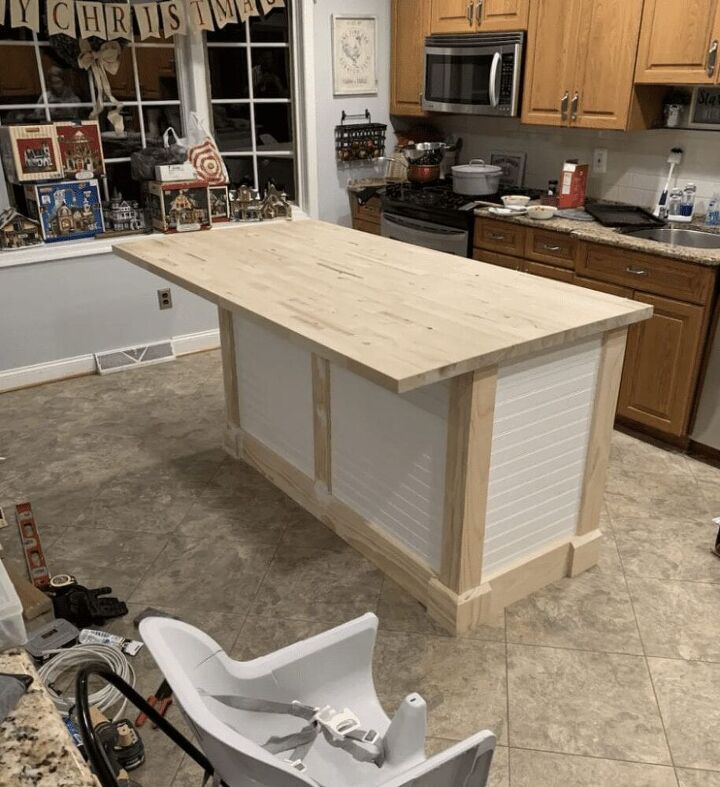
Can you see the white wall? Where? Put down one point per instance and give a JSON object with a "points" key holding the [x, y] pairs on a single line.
{"points": [[333, 201], [637, 161]]}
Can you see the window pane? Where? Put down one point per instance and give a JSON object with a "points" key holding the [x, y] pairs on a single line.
{"points": [[158, 119], [230, 32], [231, 123], [121, 147], [70, 113], [156, 70], [270, 74], [64, 85], [273, 126], [21, 83], [118, 177], [29, 115], [281, 171], [123, 83], [240, 171], [228, 72], [273, 27], [14, 33]]}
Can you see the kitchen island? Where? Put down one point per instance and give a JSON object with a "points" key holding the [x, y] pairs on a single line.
{"points": [[449, 419]]}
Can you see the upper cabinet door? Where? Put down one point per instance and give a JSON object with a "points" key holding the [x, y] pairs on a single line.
{"points": [[453, 16], [678, 42], [411, 23], [603, 85], [493, 15], [550, 69]]}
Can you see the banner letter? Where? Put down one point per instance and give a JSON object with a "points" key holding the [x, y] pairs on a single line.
{"points": [[224, 12], [25, 13], [199, 15], [118, 21], [91, 20], [246, 8], [269, 5], [148, 20], [173, 18], [2, 12], [61, 17]]}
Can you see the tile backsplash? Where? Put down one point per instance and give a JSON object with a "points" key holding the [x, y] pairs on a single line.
{"points": [[637, 161]]}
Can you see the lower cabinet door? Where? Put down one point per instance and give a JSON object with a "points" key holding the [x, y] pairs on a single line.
{"points": [[550, 272], [662, 365]]}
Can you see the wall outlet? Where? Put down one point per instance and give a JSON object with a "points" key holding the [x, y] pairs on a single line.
{"points": [[165, 299], [600, 158]]}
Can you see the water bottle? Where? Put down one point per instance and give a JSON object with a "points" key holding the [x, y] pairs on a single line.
{"points": [[712, 219]]}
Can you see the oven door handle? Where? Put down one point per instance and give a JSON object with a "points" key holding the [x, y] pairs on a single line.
{"points": [[494, 73], [421, 226]]}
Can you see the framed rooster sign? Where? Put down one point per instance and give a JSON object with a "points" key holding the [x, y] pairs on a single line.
{"points": [[354, 40]]}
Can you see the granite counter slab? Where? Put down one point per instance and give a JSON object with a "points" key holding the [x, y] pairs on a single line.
{"points": [[35, 747], [593, 232]]}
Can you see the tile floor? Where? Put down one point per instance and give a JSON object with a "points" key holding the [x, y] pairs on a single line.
{"points": [[609, 679]]}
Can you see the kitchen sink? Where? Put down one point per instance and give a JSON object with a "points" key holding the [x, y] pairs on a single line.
{"points": [[694, 239]]}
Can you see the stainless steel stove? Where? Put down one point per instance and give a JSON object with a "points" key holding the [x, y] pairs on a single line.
{"points": [[433, 215]]}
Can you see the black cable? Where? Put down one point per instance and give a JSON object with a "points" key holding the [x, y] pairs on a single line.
{"points": [[96, 753]]}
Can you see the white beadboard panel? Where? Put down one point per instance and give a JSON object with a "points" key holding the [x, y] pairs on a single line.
{"points": [[388, 458], [275, 391], [543, 414]]}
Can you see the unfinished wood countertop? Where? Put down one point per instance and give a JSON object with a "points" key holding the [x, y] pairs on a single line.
{"points": [[400, 315]]}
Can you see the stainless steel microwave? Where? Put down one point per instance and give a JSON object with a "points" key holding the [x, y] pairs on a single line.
{"points": [[473, 74]]}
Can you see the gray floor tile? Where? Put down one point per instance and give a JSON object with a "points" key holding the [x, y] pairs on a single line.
{"points": [[677, 619], [688, 778], [577, 702], [689, 697], [542, 769]]}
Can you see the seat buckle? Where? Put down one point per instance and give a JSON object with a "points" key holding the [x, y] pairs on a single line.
{"points": [[298, 765], [371, 737], [342, 724]]}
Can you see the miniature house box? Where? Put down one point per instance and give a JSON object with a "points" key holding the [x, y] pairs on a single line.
{"points": [[18, 231], [179, 207], [66, 210], [80, 149], [219, 204], [30, 153], [122, 215]]}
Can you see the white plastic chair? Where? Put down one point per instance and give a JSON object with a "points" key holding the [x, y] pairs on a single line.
{"points": [[333, 668]]}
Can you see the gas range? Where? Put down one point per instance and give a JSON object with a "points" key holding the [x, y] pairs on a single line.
{"points": [[434, 216]]}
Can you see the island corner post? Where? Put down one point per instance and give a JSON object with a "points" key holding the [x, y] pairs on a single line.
{"points": [[458, 593], [449, 420]]}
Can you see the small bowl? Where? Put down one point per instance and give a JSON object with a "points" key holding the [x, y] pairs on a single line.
{"points": [[515, 201], [541, 212]]}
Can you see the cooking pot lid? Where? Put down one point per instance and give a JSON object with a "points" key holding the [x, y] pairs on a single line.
{"points": [[476, 167]]}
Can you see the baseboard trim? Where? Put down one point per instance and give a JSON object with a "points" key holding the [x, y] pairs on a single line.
{"points": [[65, 368]]}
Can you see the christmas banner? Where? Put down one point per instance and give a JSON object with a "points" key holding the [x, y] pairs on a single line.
{"points": [[109, 21]]}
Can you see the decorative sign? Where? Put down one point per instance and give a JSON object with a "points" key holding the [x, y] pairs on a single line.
{"points": [[513, 168], [354, 55], [705, 108], [110, 21]]}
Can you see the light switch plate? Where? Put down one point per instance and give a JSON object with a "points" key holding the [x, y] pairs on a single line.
{"points": [[600, 158]]}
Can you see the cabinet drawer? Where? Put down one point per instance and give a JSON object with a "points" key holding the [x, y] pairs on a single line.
{"points": [[601, 286], [503, 260], [370, 211], [366, 226], [658, 275], [550, 271], [553, 247], [500, 236]]}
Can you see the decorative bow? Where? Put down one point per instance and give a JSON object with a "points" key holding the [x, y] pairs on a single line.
{"points": [[101, 62]]}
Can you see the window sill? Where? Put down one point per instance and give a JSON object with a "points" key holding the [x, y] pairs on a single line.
{"points": [[90, 247]]}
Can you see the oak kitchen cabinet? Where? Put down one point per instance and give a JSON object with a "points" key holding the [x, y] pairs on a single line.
{"points": [[664, 353], [366, 217], [581, 62], [411, 24], [479, 16], [679, 42]]}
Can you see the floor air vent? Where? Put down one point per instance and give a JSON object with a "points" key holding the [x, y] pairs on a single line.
{"points": [[132, 357]]}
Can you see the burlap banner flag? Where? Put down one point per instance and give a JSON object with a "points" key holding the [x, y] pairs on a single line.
{"points": [[164, 18]]}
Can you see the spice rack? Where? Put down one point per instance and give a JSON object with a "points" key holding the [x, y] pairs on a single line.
{"points": [[359, 142]]}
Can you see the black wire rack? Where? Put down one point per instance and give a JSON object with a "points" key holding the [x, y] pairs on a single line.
{"points": [[359, 142]]}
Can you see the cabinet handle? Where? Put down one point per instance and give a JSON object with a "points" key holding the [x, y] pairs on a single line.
{"points": [[548, 247], [479, 11], [712, 58], [470, 11], [564, 105], [497, 236], [575, 103], [636, 271]]}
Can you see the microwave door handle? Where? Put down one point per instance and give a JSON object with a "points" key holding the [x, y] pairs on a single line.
{"points": [[494, 72]]}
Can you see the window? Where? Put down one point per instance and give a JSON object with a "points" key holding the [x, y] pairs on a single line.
{"points": [[250, 72], [45, 84], [247, 69]]}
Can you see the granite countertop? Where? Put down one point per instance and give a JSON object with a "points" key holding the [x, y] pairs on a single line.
{"points": [[35, 747], [594, 232]]}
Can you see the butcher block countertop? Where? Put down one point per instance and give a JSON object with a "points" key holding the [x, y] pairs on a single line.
{"points": [[399, 315]]}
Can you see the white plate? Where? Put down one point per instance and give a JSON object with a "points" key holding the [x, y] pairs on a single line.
{"points": [[515, 211]]}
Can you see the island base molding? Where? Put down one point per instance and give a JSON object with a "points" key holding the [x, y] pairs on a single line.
{"points": [[456, 613]]}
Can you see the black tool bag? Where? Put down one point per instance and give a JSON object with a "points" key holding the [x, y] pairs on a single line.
{"points": [[143, 162]]}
